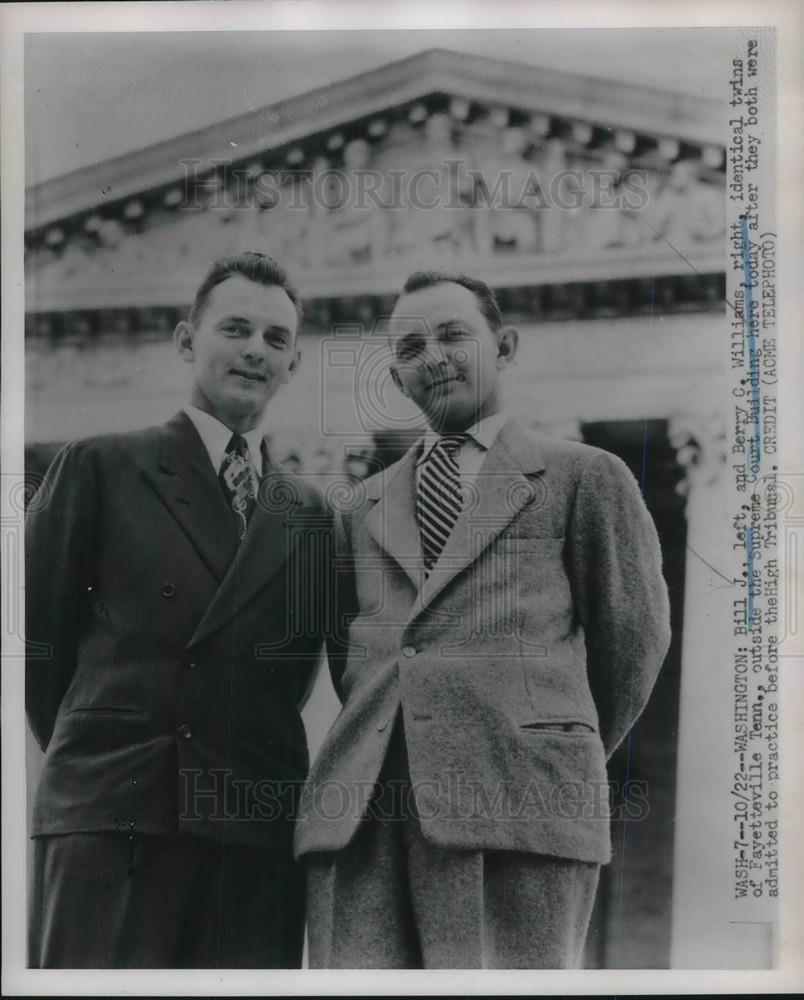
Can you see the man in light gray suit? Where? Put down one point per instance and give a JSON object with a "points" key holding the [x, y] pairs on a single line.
{"points": [[504, 618]]}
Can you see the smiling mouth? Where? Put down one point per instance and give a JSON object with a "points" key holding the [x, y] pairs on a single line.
{"points": [[460, 377], [251, 376]]}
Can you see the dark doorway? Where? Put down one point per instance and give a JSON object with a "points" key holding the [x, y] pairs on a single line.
{"points": [[632, 917]]}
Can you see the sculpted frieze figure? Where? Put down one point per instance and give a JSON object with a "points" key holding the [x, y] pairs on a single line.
{"points": [[504, 213], [688, 209], [428, 191], [605, 223], [345, 224], [552, 216]]}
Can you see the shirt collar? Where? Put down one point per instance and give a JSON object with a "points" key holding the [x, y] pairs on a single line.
{"points": [[216, 437], [483, 433]]}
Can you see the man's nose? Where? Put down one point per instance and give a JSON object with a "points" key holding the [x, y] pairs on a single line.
{"points": [[435, 355], [254, 347]]}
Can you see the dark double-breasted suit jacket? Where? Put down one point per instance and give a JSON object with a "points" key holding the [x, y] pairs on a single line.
{"points": [[519, 664], [166, 660]]}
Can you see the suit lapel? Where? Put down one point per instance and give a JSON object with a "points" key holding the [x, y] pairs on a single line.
{"points": [[183, 477], [261, 554], [392, 520], [502, 489]]}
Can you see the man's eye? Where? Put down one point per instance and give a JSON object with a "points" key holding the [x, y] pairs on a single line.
{"points": [[454, 332], [234, 329]]}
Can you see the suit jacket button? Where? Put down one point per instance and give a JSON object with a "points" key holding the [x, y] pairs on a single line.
{"points": [[409, 651], [184, 731], [191, 664], [168, 590]]}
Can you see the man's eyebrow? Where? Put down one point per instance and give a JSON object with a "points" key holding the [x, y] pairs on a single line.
{"points": [[273, 327], [233, 319]]}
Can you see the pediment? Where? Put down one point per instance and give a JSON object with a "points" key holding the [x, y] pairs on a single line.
{"points": [[436, 159]]}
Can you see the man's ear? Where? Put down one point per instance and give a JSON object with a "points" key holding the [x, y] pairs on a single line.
{"points": [[183, 339], [293, 367], [397, 380], [507, 344]]}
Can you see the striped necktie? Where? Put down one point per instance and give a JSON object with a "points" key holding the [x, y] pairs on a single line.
{"points": [[238, 480], [438, 498]]}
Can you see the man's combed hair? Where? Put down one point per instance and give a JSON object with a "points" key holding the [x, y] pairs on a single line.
{"points": [[484, 295], [254, 266]]}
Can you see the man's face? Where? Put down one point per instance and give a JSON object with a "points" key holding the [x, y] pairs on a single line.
{"points": [[446, 357], [243, 348]]}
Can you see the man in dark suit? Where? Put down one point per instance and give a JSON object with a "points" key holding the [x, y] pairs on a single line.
{"points": [[174, 626], [505, 619]]}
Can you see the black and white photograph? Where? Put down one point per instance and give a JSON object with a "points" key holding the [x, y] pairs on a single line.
{"points": [[402, 524]]}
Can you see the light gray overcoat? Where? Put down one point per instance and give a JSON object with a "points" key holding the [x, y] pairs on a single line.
{"points": [[519, 664]]}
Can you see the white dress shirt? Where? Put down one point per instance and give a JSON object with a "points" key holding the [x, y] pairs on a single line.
{"points": [[472, 452], [216, 437]]}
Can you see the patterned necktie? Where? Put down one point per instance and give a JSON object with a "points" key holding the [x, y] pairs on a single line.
{"points": [[439, 499], [238, 480]]}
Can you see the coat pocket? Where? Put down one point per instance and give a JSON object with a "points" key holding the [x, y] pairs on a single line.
{"points": [[105, 710], [565, 728]]}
